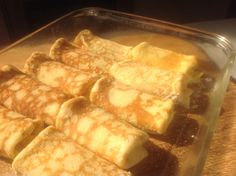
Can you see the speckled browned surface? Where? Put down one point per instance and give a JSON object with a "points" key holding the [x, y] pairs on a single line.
{"points": [[221, 160], [5, 168]]}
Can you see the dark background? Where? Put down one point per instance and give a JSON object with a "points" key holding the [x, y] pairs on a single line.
{"points": [[20, 17]]}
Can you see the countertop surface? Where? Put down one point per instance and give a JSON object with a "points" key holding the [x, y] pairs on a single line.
{"points": [[221, 160]]}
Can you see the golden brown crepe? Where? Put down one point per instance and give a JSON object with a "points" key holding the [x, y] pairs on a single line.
{"points": [[65, 109], [51, 153], [103, 47], [165, 84], [109, 137], [16, 131], [102, 133], [81, 59], [143, 52], [68, 79], [162, 58], [29, 97], [143, 110]]}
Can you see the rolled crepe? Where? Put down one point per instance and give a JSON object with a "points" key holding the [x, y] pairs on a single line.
{"points": [[162, 58], [87, 124], [103, 47], [143, 110], [16, 132], [67, 79], [165, 84], [81, 59], [51, 153], [29, 97], [66, 110], [144, 52], [102, 133]]}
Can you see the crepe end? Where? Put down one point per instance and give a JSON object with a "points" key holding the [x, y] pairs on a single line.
{"points": [[59, 47], [34, 61], [83, 37]]}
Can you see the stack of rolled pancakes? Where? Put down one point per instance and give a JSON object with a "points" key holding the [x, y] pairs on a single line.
{"points": [[86, 108]]}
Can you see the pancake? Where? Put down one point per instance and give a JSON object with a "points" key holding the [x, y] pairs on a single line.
{"points": [[165, 84], [142, 52], [103, 47], [81, 59], [16, 131], [23, 94], [69, 80], [101, 132], [142, 110], [68, 112], [162, 58], [52, 153]]}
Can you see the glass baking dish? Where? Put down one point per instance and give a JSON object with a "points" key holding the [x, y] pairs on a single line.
{"points": [[185, 152]]}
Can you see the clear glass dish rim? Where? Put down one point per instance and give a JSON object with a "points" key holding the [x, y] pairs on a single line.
{"points": [[92, 11]]}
